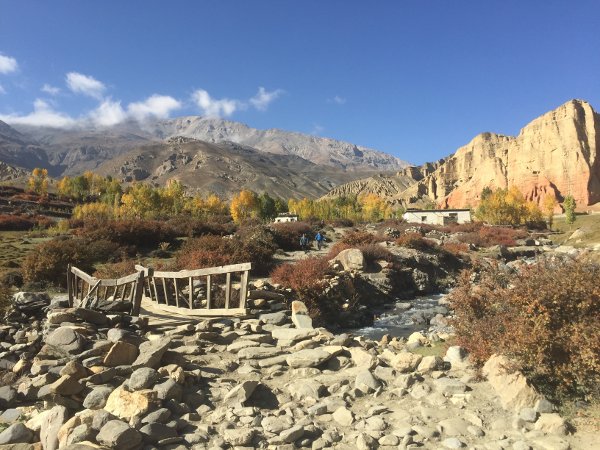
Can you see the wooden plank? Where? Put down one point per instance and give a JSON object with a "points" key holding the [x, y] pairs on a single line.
{"points": [[155, 291], [217, 312], [208, 291], [204, 272], [86, 302], [227, 290], [164, 283], [84, 276], [176, 293], [191, 293], [137, 299], [70, 286], [244, 289]]}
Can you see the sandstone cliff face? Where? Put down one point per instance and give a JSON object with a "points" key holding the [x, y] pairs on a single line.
{"points": [[556, 155]]}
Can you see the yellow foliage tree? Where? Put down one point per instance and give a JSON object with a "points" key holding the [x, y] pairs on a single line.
{"points": [[507, 207], [95, 210], [374, 208], [38, 181], [244, 206]]}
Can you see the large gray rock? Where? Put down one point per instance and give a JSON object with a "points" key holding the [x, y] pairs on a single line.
{"points": [[276, 318], [54, 419], [242, 392], [66, 339], [97, 398], [300, 316], [307, 358], [351, 259], [17, 433], [8, 396], [117, 435], [30, 302], [142, 378], [366, 382], [156, 432], [151, 353]]}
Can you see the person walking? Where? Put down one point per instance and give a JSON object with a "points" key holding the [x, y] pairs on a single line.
{"points": [[319, 238], [304, 242]]}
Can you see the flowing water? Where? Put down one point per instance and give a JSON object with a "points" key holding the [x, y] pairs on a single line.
{"points": [[405, 317]]}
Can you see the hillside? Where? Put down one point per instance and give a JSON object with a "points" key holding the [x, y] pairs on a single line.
{"points": [[555, 154], [224, 169]]}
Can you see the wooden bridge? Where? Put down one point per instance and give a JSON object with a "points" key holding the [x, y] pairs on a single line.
{"points": [[214, 291]]}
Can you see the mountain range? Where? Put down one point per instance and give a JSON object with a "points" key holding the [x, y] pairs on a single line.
{"points": [[554, 155], [206, 154]]}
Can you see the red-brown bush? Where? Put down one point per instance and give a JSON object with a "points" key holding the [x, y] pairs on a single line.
{"points": [[306, 276], [48, 262], [455, 248], [192, 227], [415, 241], [142, 234], [488, 236], [546, 318], [356, 238], [253, 245], [116, 270], [13, 222], [287, 235]]}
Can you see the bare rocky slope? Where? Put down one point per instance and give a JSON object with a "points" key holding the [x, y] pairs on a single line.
{"points": [[556, 154], [230, 155]]}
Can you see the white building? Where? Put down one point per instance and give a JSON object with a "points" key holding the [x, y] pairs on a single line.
{"points": [[286, 217], [437, 216]]}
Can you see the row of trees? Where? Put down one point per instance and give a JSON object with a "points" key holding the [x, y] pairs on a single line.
{"points": [[368, 207]]}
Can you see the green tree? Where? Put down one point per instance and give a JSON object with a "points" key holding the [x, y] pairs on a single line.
{"points": [[569, 205], [268, 209]]}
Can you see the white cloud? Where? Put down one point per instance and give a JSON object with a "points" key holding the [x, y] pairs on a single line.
{"points": [[43, 115], [212, 107], [108, 113], [263, 98], [159, 106], [52, 90], [86, 85], [8, 64], [337, 99]]}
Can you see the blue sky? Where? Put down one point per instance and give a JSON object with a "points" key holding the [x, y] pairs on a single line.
{"points": [[416, 79]]}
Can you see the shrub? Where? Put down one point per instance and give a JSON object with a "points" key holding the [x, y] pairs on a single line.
{"points": [[375, 252], [287, 235], [142, 234], [546, 317], [250, 245], [5, 298], [415, 241], [455, 248], [356, 238], [10, 222], [192, 227], [306, 277], [115, 270], [340, 223], [48, 262], [489, 236]]}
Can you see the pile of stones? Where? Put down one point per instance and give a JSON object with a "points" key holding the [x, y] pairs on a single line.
{"points": [[80, 379]]}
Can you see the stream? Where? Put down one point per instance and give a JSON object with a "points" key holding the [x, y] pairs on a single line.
{"points": [[405, 317]]}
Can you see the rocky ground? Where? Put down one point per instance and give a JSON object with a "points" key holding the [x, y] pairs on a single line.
{"points": [[79, 379]]}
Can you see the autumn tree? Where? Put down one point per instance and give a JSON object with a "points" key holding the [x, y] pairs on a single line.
{"points": [[374, 208], [548, 206], [507, 207], [569, 204], [244, 205], [38, 182]]}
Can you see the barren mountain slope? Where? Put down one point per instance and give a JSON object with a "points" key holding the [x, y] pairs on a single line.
{"points": [[225, 168], [319, 150]]}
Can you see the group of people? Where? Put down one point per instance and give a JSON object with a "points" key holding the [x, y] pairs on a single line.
{"points": [[305, 243]]}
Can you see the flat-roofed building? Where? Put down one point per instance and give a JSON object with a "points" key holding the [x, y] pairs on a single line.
{"points": [[437, 216]]}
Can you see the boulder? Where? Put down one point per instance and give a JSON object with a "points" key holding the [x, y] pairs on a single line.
{"points": [[127, 405], [300, 316], [242, 392], [66, 339], [551, 423], [54, 419], [511, 386], [142, 378], [121, 354], [117, 435], [405, 362], [151, 353], [351, 259], [307, 358], [17, 433]]}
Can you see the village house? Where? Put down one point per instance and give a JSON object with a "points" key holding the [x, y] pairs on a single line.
{"points": [[437, 216], [286, 217]]}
